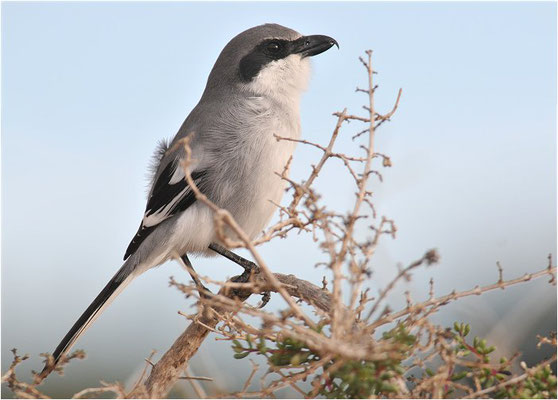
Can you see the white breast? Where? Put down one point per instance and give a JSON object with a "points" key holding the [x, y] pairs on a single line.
{"points": [[270, 157], [278, 88]]}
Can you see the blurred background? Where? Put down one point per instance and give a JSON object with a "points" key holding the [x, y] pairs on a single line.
{"points": [[89, 88]]}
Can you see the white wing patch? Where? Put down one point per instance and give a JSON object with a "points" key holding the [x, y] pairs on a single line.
{"points": [[177, 176], [155, 218]]}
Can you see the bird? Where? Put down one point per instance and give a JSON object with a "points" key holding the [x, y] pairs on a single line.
{"points": [[252, 95]]}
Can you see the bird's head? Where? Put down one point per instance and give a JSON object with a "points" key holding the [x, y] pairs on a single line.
{"points": [[268, 60]]}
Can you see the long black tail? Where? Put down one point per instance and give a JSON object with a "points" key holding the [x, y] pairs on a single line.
{"points": [[103, 299]]}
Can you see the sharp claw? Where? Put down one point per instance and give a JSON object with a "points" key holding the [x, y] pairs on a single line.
{"points": [[266, 296]]}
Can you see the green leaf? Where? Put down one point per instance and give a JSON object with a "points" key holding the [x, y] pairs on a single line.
{"points": [[456, 327], [458, 376]]}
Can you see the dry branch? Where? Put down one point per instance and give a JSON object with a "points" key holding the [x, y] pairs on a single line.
{"points": [[333, 339], [172, 365]]}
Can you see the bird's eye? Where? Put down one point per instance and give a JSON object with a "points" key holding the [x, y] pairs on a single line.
{"points": [[273, 47]]}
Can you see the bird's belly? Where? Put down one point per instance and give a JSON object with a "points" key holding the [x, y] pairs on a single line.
{"points": [[263, 205], [256, 199], [251, 197]]}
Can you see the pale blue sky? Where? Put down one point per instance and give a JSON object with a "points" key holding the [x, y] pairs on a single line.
{"points": [[89, 88]]}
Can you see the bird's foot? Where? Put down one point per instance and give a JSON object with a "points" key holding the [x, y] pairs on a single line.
{"points": [[249, 269], [266, 296], [245, 278]]}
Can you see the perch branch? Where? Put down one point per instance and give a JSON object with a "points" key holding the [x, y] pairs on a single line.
{"points": [[171, 366]]}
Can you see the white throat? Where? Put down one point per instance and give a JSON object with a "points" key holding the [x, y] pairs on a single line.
{"points": [[283, 80]]}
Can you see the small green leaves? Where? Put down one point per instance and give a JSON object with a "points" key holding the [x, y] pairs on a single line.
{"points": [[237, 347], [481, 348], [363, 379], [353, 379], [400, 335], [458, 376], [348, 379], [461, 328], [541, 385], [262, 348], [239, 356]]}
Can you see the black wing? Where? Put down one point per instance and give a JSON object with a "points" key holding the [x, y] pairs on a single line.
{"points": [[171, 194]]}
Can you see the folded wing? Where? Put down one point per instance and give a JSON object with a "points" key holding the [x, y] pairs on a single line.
{"points": [[171, 195]]}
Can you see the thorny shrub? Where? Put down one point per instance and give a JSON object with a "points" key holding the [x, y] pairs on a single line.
{"points": [[354, 345]]}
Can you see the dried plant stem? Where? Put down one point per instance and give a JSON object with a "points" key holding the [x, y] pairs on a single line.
{"points": [[171, 366], [476, 291], [517, 379], [331, 344]]}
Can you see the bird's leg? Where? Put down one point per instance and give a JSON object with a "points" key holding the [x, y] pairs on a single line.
{"points": [[202, 290], [249, 267]]}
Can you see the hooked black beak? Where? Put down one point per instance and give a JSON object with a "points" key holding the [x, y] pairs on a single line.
{"points": [[308, 46]]}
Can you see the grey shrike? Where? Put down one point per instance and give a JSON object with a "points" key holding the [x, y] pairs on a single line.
{"points": [[252, 93]]}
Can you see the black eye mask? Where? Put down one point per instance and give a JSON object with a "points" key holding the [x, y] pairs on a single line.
{"points": [[267, 51], [276, 49]]}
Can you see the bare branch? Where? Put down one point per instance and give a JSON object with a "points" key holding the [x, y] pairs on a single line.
{"points": [[171, 366]]}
